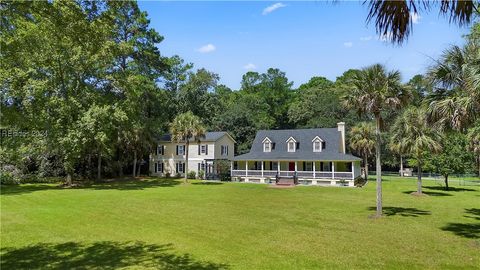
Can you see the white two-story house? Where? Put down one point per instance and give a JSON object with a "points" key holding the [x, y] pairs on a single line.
{"points": [[298, 156], [203, 155]]}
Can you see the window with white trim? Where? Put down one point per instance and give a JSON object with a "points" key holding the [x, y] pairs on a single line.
{"points": [[224, 150], [160, 150], [267, 147], [181, 150], [291, 146], [203, 149], [318, 144]]}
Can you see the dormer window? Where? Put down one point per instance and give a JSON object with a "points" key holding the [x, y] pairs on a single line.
{"points": [[291, 144], [318, 144], [267, 145]]}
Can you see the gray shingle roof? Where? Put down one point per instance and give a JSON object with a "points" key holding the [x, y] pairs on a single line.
{"points": [[209, 136], [331, 137]]}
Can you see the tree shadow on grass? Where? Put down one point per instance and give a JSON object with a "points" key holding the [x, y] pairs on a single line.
{"points": [[429, 193], [100, 255], [468, 230], [208, 183], [116, 184], [402, 211], [454, 189]]}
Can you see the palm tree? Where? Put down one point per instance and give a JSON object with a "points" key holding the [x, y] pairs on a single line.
{"points": [[362, 141], [394, 19], [375, 91], [456, 78], [185, 127], [417, 136]]}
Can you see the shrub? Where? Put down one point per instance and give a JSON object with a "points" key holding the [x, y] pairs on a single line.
{"points": [[201, 174], [191, 175], [10, 175], [168, 175], [178, 175]]}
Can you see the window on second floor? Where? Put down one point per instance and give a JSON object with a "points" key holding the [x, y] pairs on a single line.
{"points": [[160, 150], [318, 144], [203, 149], [292, 145], [180, 150], [267, 145], [224, 150]]}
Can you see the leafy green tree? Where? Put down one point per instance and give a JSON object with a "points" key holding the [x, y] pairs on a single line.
{"points": [[418, 137], [453, 159], [362, 141], [274, 89], [186, 127], [375, 91]]}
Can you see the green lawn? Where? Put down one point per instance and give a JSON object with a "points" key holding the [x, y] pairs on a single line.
{"points": [[159, 223]]}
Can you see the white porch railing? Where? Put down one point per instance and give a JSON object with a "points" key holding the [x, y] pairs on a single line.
{"points": [[299, 174]]}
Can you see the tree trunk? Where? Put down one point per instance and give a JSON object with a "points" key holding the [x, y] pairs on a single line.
{"points": [[401, 166], [446, 181], [120, 168], [134, 163], [378, 166], [365, 164], [68, 181], [89, 166], [419, 178], [186, 162], [139, 169], [99, 167], [478, 166]]}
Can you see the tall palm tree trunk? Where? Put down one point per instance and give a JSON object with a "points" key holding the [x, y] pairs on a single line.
{"points": [[186, 162], [419, 178], [134, 163], [378, 167]]}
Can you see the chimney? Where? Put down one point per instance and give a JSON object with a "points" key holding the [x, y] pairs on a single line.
{"points": [[341, 128]]}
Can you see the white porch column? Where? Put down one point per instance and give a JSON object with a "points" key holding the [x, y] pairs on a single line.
{"points": [[262, 168], [333, 170], [296, 166], [246, 168], [278, 168], [353, 170], [314, 169]]}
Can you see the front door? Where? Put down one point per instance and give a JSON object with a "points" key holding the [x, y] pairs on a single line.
{"points": [[291, 166]]}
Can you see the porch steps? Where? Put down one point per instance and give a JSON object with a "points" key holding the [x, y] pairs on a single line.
{"points": [[285, 181]]}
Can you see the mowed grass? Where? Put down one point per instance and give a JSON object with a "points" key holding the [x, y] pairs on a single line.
{"points": [[159, 223]]}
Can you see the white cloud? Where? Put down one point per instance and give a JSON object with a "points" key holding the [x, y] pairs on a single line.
{"points": [[250, 66], [272, 8], [207, 48], [348, 44], [366, 38], [415, 17]]}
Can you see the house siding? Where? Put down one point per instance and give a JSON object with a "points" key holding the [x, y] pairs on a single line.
{"points": [[170, 157]]}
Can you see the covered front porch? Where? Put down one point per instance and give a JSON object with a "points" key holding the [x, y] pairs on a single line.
{"points": [[305, 172]]}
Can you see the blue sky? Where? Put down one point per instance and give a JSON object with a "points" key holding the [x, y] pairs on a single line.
{"points": [[303, 39]]}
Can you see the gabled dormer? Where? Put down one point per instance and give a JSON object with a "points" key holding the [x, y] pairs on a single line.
{"points": [[318, 144], [267, 145], [292, 144]]}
